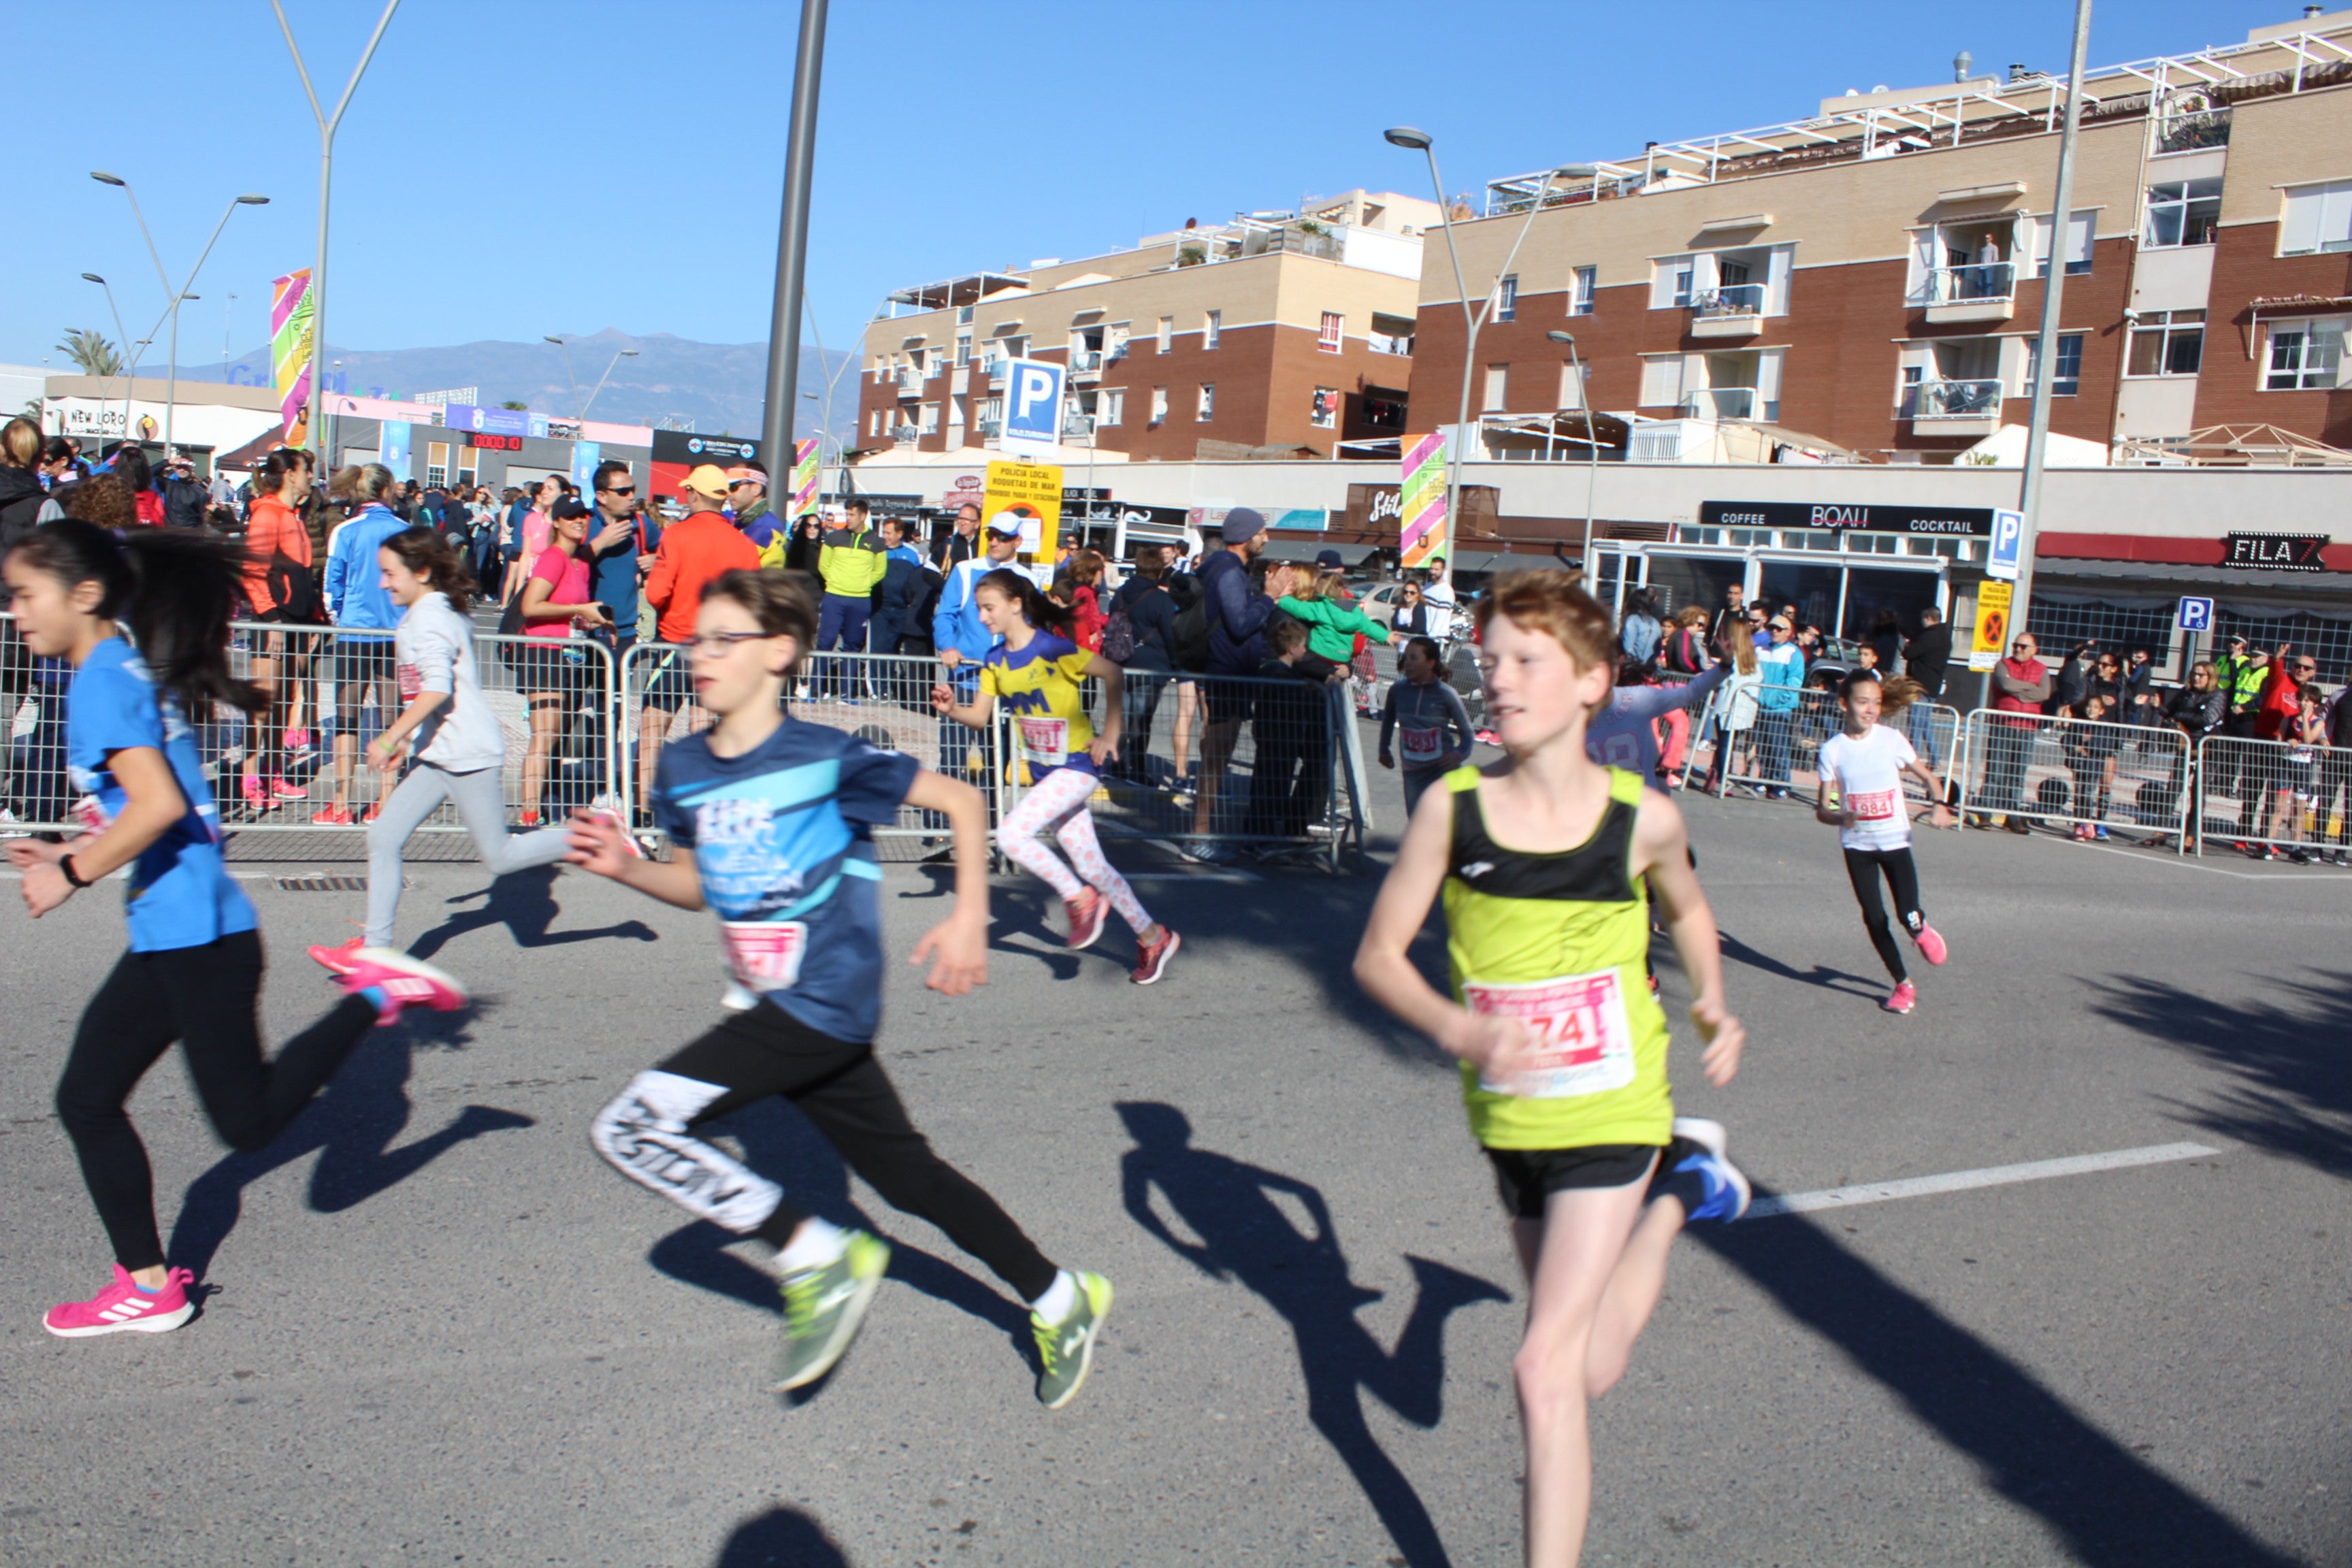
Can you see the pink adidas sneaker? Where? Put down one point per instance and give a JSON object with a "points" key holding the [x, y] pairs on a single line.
{"points": [[339, 959], [1931, 944], [122, 1306], [406, 982], [1086, 911]]}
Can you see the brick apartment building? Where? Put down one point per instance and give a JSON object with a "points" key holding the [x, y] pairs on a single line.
{"points": [[1278, 331], [1872, 276]]}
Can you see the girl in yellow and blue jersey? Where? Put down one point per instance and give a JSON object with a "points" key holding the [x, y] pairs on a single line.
{"points": [[1033, 672], [1546, 861]]}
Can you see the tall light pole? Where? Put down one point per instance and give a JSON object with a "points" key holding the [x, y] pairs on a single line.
{"points": [[174, 297], [1591, 449], [559, 342], [326, 124], [2045, 374], [1414, 140], [618, 358], [129, 366], [228, 330], [791, 247]]}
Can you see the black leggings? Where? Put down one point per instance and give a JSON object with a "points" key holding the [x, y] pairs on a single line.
{"points": [[204, 998], [844, 1091], [1863, 866]]}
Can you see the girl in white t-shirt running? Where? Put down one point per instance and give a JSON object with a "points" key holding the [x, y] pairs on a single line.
{"points": [[1865, 761]]}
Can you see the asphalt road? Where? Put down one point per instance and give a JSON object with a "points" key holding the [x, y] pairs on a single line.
{"points": [[440, 1331]]}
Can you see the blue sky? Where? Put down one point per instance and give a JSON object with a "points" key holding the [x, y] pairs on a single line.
{"points": [[514, 167]]}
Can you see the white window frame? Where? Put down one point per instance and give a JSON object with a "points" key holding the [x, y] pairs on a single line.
{"points": [[2064, 385], [2083, 236], [1580, 290], [2315, 219], [1332, 332], [1327, 399], [1496, 395], [1111, 408], [963, 349], [1507, 297], [1662, 373], [1572, 374], [1167, 334], [2304, 330], [1212, 328], [1207, 413], [1159, 405], [2164, 327], [2183, 207]]}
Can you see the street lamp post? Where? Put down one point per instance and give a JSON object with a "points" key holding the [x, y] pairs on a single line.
{"points": [[129, 366], [618, 358], [326, 124], [559, 342], [1591, 451], [1419, 141], [174, 297], [792, 245]]}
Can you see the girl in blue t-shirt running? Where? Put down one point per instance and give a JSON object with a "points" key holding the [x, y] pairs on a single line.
{"points": [[193, 971]]}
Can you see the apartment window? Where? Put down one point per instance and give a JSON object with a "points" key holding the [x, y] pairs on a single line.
{"points": [[1213, 329], [1325, 408], [1167, 332], [2069, 380], [2316, 218], [928, 422], [1580, 296], [2184, 212], [1208, 401], [1115, 342], [1506, 298], [1017, 347], [2305, 356], [2166, 342], [963, 349], [1662, 381], [2079, 236], [992, 412], [1334, 333], [1499, 386], [437, 462], [1159, 405], [1111, 408], [1572, 387], [1682, 285], [964, 315]]}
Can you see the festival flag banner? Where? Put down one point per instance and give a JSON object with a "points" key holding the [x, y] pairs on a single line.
{"points": [[1421, 508], [290, 308], [804, 476]]}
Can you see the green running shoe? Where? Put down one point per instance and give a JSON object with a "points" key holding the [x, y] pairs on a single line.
{"points": [[1067, 1349], [823, 1307]]}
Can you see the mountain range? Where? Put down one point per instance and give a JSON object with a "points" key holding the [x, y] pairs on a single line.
{"points": [[716, 386]]}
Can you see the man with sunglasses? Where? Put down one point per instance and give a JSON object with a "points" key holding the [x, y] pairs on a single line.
{"points": [[620, 549]]}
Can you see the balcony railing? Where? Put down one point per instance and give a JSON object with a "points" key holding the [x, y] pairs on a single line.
{"points": [[1085, 362], [990, 429], [1078, 425], [1720, 403], [1731, 300], [1389, 343], [1932, 400], [904, 434], [2188, 132], [994, 367], [1986, 280], [910, 384]]}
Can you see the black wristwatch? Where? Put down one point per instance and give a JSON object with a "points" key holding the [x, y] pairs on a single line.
{"points": [[73, 877]]}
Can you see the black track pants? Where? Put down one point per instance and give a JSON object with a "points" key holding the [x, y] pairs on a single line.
{"points": [[1863, 867]]}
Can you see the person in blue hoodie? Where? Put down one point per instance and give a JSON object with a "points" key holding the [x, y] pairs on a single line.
{"points": [[1781, 664], [905, 572], [357, 598]]}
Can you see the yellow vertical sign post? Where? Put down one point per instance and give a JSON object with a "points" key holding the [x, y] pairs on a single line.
{"points": [[1992, 636], [1033, 489]]}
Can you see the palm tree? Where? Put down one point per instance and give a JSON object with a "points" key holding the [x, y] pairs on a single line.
{"points": [[91, 351]]}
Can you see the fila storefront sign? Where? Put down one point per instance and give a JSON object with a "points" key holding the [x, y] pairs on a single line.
{"points": [[2275, 551], [1969, 522]]}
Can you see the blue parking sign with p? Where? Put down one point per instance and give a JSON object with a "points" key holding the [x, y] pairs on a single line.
{"points": [[1032, 404], [2006, 545], [2196, 615]]}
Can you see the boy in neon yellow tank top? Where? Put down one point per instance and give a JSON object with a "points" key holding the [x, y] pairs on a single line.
{"points": [[1547, 862]]}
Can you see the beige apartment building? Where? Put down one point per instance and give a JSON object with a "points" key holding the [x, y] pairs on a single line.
{"points": [[1288, 331], [1871, 275]]}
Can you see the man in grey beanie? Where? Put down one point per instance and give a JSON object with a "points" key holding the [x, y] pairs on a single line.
{"points": [[1237, 616]]}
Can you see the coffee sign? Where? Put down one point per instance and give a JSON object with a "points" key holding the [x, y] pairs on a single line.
{"points": [[2276, 551]]}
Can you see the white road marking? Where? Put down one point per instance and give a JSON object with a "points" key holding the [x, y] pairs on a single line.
{"points": [[1961, 1181], [2191, 863]]}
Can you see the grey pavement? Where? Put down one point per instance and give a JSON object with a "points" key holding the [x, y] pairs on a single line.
{"points": [[439, 1329]]}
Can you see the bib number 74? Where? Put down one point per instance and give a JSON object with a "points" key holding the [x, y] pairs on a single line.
{"points": [[1584, 1041]]}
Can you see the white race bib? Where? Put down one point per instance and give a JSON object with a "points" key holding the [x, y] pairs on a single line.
{"points": [[412, 682], [1584, 1040], [1420, 748], [1875, 805], [1045, 741], [764, 956]]}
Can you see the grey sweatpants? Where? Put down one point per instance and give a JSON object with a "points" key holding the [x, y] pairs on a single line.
{"points": [[484, 814]]}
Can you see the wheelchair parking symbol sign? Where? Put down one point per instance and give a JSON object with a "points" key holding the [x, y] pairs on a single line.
{"points": [[2196, 615]]}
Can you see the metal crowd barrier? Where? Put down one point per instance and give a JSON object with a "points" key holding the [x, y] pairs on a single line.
{"points": [[2274, 793], [2048, 772], [1292, 788], [1762, 749]]}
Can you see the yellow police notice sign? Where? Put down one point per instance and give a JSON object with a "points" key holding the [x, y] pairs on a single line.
{"points": [[1992, 624], [1032, 490]]}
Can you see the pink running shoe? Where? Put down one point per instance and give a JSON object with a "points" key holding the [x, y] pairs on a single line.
{"points": [[1086, 912], [611, 819], [1152, 960], [406, 982], [1931, 944], [122, 1306], [331, 816], [1903, 1000], [256, 793], [341, 958], [280, 790]]}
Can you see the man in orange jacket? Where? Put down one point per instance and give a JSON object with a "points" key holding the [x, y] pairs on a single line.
{"points": [[695, 549]]}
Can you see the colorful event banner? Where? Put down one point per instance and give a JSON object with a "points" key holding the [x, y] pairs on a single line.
{"points": [[1421, 505], [290, 311], [804, 476]]}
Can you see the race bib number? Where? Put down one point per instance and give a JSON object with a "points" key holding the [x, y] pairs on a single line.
{"points": [[89, 814], [2303, 757], [764, 956], [412, 682], [1876, 805], [1584, 1042], [1420, 748], [1045, 741]]}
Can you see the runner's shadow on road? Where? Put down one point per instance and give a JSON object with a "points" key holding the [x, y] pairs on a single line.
{"points": [[2110, 1508], [778, 1142], [2292, 1077], [1247, 1237], [780, 1538], [525, 904], [1828, 978], [351, 1126]]}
